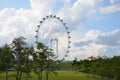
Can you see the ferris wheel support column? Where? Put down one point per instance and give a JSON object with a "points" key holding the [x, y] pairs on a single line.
{"points": [[51, 44], [57, 48]]}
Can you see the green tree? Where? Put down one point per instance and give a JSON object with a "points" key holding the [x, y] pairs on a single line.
{"points": [[108, 68], [43, 61], [28, 65], [18, 46], [75, 65], [6, 58]]}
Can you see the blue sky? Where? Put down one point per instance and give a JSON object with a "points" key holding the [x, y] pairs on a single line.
{"points": [[108, 22], [25, 4], [14, 4], [94, 24]]}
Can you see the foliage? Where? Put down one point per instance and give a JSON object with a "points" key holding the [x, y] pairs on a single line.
{"points": [[104, 67], [43, 61], [5, 57]]}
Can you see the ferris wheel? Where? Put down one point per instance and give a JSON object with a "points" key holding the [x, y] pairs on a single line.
{"points": [[53, 32]]}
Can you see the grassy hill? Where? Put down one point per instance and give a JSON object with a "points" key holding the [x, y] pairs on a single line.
{"points": [[62, 75]]}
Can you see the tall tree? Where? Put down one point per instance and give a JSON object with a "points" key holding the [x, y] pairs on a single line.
{"points": [[43, 60], [6, 58], [18, 45], [28, 61]]}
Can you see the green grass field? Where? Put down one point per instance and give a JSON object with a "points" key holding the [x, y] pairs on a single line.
{"points": [[62, 75]]}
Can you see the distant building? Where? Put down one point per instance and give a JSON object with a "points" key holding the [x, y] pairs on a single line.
{"points": [[97, 57], [104, 57], [91, 58]]}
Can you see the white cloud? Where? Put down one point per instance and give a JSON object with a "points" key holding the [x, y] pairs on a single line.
{"points": [[113, 1], [89, 37], [23, 22], [110, 9], [83, 43], [14, 23], [42, 8], [99, 38], [86, 45], [98, 43], [110, 38]]}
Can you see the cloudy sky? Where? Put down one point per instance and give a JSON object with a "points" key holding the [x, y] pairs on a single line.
{"points": [[94, 24]]}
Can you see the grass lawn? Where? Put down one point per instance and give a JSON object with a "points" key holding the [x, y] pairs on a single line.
{"points": [[62, 75]]}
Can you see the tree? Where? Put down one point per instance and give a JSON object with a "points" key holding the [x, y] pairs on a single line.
{"points": [[39, 60], [43, 61], [28, 62], [6, 58], [49, 62], [18, 46], [108, 68], [75, 65]]}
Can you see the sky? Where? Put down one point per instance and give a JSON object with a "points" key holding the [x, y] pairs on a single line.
{"points": [[93, 24]]}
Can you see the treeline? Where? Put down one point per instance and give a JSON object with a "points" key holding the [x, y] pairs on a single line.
{"points": [[22, 58], [109, 68]]}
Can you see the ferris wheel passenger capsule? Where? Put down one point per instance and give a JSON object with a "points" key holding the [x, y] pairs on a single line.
{"points": [[36, 30], [68, 46], [66, 27], [67, 51], [61, 20], [40, 21], [66, 55], [68, 32], [64, 24], [63, 59], [54, 16], [38, 25], [51, 15], [58, 18], [44, 18], [69, 37], [36, 36], [47, 16]]}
